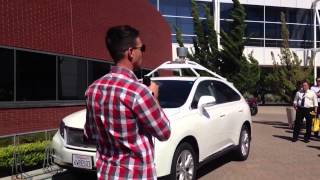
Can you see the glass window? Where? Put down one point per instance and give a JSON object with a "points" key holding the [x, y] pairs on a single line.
{"points": [[172, 23], [204, 89], [72, 78], [175, 7], [273, 31], [168, 7], [173, 94], [225, 26], [36, 76], [299, 32], [273, 43], [225, 10], [201, 7], [97, 70], [254, 13], [293, 15], [254, 30], [273, 13], [223, 93], [254, 42], [185, 39], [185, 25], [300, 16], [183, 7], [6, 74]]}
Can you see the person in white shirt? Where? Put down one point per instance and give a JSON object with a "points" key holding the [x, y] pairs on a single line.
{"points": [[316, 89], [304, 102]]}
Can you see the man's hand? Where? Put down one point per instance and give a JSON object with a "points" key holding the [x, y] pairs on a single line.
{"points": [[155, 89]]}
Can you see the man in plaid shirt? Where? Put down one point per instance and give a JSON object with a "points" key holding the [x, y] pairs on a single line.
{"points": [[123, 114]]}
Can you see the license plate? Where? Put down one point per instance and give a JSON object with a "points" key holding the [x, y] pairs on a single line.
{"points": [[82, 161]]}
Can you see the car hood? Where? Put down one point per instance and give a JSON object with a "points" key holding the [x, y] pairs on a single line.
{"points": [[78, 119]]}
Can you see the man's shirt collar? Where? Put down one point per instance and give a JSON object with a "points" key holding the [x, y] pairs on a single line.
{"points": [[124, 71]]}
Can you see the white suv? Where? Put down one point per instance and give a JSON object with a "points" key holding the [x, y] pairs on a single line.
{"points": [[208, 116]]}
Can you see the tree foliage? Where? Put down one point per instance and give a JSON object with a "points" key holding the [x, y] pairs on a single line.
{"points": [[288, 71], [205, 43], [229, 62]]}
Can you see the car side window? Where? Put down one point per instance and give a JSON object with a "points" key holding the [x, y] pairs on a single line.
{"points": [[204, 89], [223, 93]]}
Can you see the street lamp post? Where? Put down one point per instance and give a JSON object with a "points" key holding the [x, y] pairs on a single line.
{"points": [[316, 18]]}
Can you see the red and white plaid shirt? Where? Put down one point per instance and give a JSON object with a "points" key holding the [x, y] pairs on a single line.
{"points": [[122, 116]]}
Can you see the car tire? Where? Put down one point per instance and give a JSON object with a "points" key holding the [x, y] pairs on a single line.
{"points": [[184, 163], [243, 149]]}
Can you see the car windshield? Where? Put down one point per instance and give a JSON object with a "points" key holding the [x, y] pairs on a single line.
{"points": [[173, 94]]}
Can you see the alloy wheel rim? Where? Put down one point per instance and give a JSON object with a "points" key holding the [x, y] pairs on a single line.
{"points": [[185, 166], [245, 143]]}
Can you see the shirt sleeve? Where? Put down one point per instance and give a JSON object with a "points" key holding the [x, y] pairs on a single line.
{"points": [[151, 116], [295, 101], [315, 100], [90, 132]]}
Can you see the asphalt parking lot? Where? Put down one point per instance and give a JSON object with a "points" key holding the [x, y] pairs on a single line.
{"points": [[272, 156]]}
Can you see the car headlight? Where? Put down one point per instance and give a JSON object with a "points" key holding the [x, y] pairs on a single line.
{"points": [[62, 126]]}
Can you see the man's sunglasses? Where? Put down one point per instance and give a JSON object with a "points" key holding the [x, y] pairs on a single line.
{"points": [[142, 48]]}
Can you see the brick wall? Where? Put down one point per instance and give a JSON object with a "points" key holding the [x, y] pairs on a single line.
{"points": [[78, 28], [26, 120]]}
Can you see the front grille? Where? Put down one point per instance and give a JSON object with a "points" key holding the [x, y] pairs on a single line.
{"points": [[75, 138]]}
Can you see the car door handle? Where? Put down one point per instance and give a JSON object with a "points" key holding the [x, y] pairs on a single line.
{"points": [[222, 115], [241, 110]]}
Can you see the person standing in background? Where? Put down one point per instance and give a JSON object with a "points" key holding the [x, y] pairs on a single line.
{"points": [[304, 102]]}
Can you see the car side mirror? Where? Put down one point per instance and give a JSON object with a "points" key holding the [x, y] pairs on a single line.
{"points": [[206, 101]]}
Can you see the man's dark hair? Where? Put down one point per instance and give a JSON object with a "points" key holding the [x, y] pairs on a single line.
{"points": [[305, 81], [120, 38]]}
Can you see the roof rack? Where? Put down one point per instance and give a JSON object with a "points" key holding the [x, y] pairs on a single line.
{"points": [[178, 65]]}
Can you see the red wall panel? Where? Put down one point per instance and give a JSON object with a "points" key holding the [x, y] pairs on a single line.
{"points": [[27, 120], [78, 27]]}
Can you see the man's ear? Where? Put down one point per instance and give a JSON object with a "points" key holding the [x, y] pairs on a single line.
{"points": [[130, 55]]}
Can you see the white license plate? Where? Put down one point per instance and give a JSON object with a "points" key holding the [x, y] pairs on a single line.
{"points": [[82, 161]]}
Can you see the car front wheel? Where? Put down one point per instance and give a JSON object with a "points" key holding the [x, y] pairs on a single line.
{"points": [[243, 149], [184, 163]]}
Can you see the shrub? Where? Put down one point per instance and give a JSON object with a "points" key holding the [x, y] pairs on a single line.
{"points": [[31, 154]]}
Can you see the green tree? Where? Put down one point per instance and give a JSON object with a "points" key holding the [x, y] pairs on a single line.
{"points": [[205, 44], [233, 43], [288, 71], [230, 62], [243, 71], [179, 36]]}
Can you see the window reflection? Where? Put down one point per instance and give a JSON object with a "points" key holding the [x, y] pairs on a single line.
{"points": [[72, 78], [36, 76], [97, 70], [6, 74]]}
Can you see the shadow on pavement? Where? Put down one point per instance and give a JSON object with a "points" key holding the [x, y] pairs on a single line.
{"points": [[214, 164], [315, 147], [74, 175], [289, 138], [283, 127], [272, 123]]}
